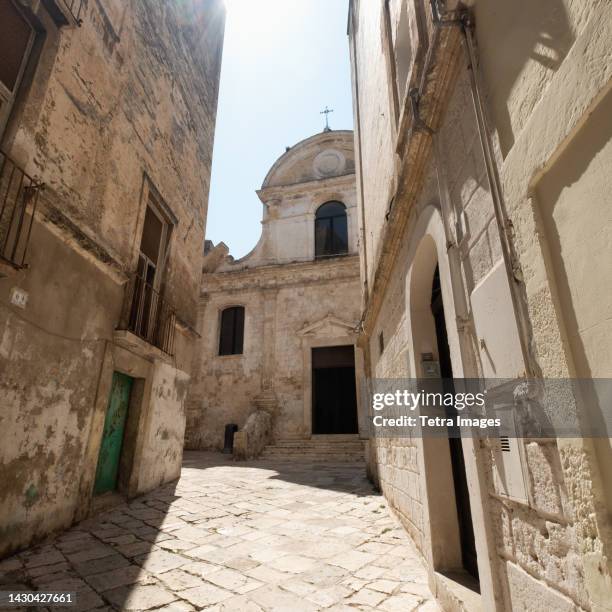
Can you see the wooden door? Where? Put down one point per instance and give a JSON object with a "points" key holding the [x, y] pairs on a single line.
{"points": [[112, 437]]}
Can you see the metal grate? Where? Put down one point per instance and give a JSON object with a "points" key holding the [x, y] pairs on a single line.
{"points": [[19, 194], [149, 315]]}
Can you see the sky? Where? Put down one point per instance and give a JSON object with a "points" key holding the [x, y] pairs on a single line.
{"points": [[283, 62]]}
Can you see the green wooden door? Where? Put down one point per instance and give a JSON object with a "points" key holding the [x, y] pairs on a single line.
{"points": [[112, 437]]}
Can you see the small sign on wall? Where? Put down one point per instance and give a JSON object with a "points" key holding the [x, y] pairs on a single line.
{"points": [[19, 297], [429, 366]]}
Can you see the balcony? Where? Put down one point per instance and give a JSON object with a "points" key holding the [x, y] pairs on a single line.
{"points": [[65, 12], [19, 194], [148, 315]]}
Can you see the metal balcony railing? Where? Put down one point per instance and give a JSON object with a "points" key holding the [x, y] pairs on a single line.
{"points": [[19, 194], [74, 7], [149, 315]]}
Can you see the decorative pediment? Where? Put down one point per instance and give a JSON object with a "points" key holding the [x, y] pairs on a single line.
{"points": [[329, 326]]}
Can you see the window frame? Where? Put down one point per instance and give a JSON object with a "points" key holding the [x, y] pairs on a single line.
{"points": [[235, 350], [152, 200], [333, 252], [389, 53], [8, 97]]}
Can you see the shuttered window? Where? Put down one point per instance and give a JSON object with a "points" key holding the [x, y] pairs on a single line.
{"points": [[231, 336]]}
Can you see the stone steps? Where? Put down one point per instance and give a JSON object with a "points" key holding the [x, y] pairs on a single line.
{"points": [[342, 448]]}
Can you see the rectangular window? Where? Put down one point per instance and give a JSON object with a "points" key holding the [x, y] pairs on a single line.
{"points": [[153, 243], [16, 38], [404, 41], [151, 316], [402, 47], [231, 336]]}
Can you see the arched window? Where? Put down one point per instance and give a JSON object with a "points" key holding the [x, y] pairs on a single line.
{"points": [[331, 232], [231, 335]]}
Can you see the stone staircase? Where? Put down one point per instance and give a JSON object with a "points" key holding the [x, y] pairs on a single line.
{"points": [[346, 448]]}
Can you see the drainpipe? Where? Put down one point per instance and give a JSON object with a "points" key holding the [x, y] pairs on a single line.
{"points": [[454, 261], [504, 225]]}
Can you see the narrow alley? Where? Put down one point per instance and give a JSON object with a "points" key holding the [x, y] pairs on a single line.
{"points": [[274, 536]]}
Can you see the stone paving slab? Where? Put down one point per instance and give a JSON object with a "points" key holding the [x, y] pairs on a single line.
{"points": [[266, 536]]}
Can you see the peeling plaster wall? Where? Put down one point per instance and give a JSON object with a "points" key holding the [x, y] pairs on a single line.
{"points": [[51, 358], [132, 92], [547, 86], [111, 100], [162, 456]]}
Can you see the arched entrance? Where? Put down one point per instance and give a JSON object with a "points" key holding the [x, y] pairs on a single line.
{"points": [[445, 482], [462, 497]]}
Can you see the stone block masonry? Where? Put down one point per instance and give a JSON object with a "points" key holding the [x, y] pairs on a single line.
{"points": [[259, 535]]}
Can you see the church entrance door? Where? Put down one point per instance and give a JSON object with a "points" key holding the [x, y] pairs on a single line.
{"points": [[334, 396]]}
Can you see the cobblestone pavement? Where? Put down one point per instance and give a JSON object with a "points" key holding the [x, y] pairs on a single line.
{"points": [[237, 537]]}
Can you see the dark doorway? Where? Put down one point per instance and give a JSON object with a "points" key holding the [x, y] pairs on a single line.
{"points": [[464, 514], [334, 397]]}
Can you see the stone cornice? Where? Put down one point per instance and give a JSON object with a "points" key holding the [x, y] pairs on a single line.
{"points": [[338, 269], [415, 147], [333, 182]]}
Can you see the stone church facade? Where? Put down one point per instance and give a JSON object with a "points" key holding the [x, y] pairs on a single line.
{"points": [[295, 299], [107, 116], [482, 133]]}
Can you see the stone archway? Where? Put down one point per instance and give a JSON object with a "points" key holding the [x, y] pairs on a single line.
{"points": [[441, 541], [436, 469]]}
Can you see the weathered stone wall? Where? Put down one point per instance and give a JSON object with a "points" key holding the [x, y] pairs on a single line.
{"points": [[130, 94], [292, 301], [539, 66], [165, 427], [225, 388], [132, 91]]}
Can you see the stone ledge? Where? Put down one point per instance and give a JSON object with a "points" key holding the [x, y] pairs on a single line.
{"points": [[131, 342]]}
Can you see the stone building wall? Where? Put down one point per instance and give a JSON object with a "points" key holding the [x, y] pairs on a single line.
{"points": [[292, 300], [538, 67], [107, 111], [226, 388]]}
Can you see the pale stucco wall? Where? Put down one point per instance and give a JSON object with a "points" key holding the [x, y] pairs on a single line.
{"points": [[546, 85]]}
